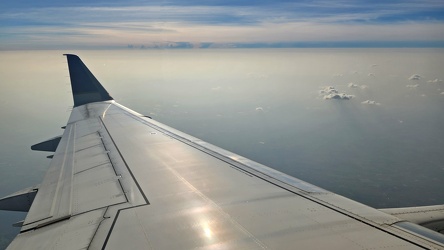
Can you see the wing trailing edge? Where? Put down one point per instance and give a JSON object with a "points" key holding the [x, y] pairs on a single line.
{"points": [[85, 87]]}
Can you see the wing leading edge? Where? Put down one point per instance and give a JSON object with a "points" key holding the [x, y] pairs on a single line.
{"points": [[119, 179]]}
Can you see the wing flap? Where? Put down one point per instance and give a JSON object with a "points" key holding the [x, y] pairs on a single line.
{"points": [[431, 217], [81, 177], [96, 188], [55, 187], [73, 233]]}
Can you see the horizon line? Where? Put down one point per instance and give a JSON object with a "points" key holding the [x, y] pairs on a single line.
{"points": [[239, 45]]}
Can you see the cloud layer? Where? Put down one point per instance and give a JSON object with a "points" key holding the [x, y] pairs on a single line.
{"points": [[222, 22]]}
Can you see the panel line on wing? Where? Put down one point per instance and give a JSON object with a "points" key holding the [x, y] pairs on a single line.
{"points": [[124, 161], [99, 165], [114, 223], [79, 150]]}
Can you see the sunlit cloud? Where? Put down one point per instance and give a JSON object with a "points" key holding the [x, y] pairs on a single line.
{"points": [[328, 90], [331, 93], [371, 102], [412, 85], [353, 85], [340, 96], [415, 77], [357, 86], [435, 81]]}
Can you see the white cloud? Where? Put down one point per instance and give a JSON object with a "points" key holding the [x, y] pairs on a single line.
{"points": [[330, 93], [434, 81], [412, 85], [259, 109], [328, 90], [415, 77], [371, 102], [340, 96], [352, 85]]}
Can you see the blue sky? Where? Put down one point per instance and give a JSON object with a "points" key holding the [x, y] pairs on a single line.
{"points": [[117, 24]]}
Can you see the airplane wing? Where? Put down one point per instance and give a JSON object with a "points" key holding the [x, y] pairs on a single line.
{"points": [[121, 180]]}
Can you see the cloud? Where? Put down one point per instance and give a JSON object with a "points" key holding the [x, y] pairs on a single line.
{"points": [[371, 74], [415, 77], [340, 96], [328, 90], [331, 93], [374, 65], [442, 93], [371, 102], [412, 85], [84, 24], [352, 85], [435, 81], [259, 109]]}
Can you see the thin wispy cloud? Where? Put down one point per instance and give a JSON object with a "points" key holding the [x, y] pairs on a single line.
{"points": [[371, 102], [121, 23], [412, 85], [435, 81]]}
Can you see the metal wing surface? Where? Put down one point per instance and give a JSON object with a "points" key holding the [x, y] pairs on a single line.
{"points": [[120, 180]]}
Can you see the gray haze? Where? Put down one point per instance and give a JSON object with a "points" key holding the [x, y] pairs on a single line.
{"points": [[364, 123]]}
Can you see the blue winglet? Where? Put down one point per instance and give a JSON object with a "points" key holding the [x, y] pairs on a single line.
{"points": [[85, 87]]}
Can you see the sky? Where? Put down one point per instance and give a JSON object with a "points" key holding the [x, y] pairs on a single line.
{"points": [[112, 24]]}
